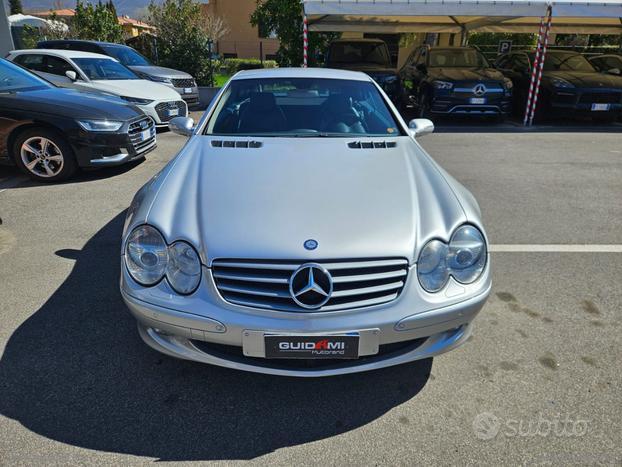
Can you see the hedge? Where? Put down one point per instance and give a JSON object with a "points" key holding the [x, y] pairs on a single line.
{"points": [[231, 66]]}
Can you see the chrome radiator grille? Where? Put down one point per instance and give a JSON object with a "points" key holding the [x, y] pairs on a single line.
{"points": [[135, 131], [265, 284]]}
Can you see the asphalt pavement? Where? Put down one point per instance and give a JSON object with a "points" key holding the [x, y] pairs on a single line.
{"points": [[539, 382]]}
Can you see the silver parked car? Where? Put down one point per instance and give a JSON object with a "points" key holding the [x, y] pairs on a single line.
{"points": [[303, 231]]}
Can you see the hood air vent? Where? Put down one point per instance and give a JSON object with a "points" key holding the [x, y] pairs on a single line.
{"points": [[218, 143], [372, 144]]}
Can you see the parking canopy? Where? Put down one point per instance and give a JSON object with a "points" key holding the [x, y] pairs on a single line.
{"points": [[456, 16]]}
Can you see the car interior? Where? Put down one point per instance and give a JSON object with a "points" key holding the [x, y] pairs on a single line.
{"points": [[304, 107]]}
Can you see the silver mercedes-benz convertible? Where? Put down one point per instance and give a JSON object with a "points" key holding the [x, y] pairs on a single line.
{"points": [[303, 231]]}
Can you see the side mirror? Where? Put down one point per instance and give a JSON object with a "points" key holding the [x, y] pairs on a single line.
{"points": [[420, 126], [72, 75], [182, 126], [615, 71]]}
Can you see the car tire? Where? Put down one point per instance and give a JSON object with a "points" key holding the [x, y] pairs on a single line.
{"points": [[44, 155]]}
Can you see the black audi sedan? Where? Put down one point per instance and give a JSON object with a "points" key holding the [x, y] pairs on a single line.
{"points": [[455, 81], [570, 85], [50, 132]]}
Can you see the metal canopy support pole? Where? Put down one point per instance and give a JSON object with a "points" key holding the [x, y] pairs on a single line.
{"points": [[305, 41], [541, 64], [534, 72]]}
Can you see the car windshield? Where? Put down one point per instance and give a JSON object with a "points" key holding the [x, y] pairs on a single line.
{"points": [[302, 107], [104, 69], [566, 62], [457, 58], [14, 78], [359, 52], [126, 55]]}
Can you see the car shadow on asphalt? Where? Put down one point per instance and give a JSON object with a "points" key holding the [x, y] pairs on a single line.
{"points": [[12, 178], [77, 372]]}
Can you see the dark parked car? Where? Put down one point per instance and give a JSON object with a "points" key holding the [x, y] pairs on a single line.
{"points": [[455, 81], [50, 132], [370, 56], [182, 82], [570, 85], [609, 63]]}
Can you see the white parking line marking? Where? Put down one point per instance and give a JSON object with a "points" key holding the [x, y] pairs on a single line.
{"points": [[556, 248]]}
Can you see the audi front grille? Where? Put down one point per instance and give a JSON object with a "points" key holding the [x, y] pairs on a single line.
{"points": [[163, 110], [135, 132], [265, 284]]}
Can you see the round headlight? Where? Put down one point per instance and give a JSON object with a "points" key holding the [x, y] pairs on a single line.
{"points": [[146, 255], [184, 268], [432, 266], [467, 254]]}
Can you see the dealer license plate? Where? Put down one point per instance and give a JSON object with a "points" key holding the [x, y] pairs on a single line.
{"points": [[312, 347], [477, 100], [172, 112], [187, 90], [145, 135], [600, 107]]}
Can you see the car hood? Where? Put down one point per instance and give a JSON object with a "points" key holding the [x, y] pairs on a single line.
{"points": [[586, 79], [71, 103], [140, 88], [160, 72], [265, 202], [368, 68], [465, 74]]}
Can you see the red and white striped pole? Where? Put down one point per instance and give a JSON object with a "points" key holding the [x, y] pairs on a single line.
{"points": [[305, 41], [541, 66], [534, 71]]}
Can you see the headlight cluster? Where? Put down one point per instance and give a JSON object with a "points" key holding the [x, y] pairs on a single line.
{"points": [[464, 259], [443, 84], [100, 125], [159, 79], [561, 83], [148, 259], [137, 100]]}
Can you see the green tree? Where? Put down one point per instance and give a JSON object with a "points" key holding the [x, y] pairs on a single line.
{"points": [[181, 39], [112, 8], [493, 38], [15, 7], [95, 23], [284, 18]]}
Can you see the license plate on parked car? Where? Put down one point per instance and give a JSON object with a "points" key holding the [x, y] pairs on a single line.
{"points": [[312, 347], [145, 135], [172, 112], [187, 90], [477, 100], [600, 107]]}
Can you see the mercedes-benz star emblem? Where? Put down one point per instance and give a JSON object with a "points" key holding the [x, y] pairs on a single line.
{"points": [[311, 286], [310, 244], [479, 89]]}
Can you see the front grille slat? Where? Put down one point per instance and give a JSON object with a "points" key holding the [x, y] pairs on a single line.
{"points": [[183, 82], [266, 284], [368, 290], [163, 107]]}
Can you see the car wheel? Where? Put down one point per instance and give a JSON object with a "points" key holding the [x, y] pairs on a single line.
{"points": [[44, 155]]}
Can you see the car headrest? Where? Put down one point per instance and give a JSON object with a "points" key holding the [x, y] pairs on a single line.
{"points": [[262, 101], [338, 103]]}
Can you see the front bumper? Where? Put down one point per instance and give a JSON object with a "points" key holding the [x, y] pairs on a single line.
{"points": [[210, 330], [461, 99], [586, 101], [104, 149], [191, 98]]}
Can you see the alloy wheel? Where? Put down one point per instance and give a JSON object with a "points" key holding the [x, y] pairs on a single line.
{"points": [[42, 157]]}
